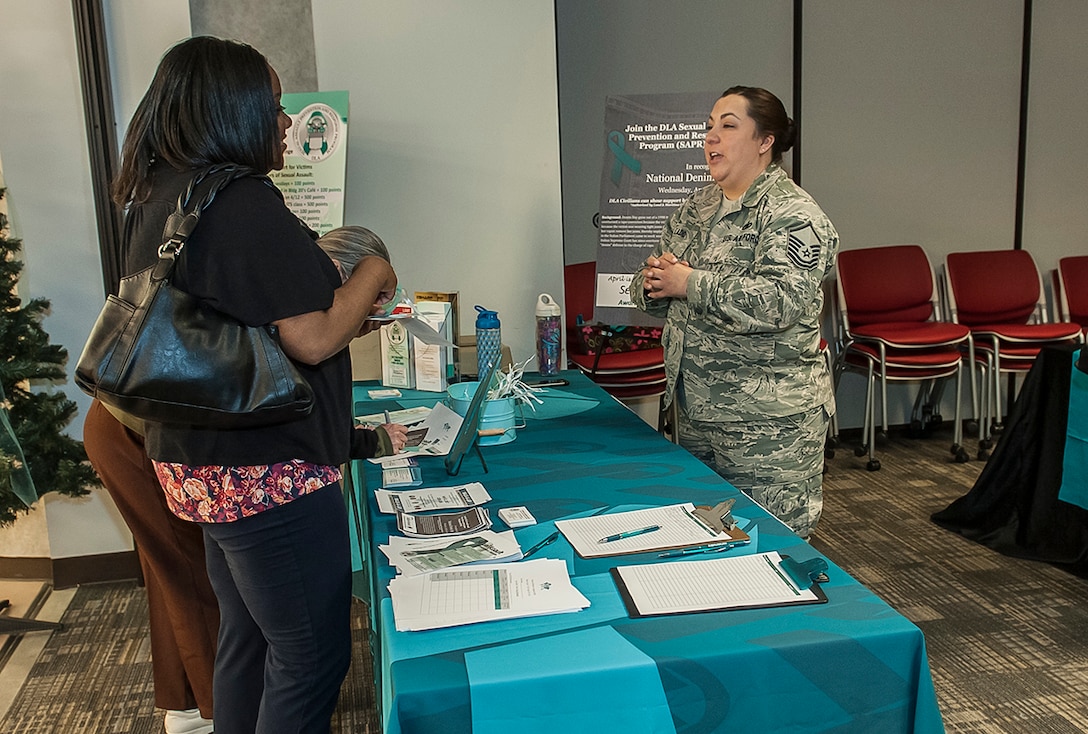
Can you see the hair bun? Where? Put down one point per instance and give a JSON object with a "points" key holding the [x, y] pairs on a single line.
{"points": [[790, 136]]}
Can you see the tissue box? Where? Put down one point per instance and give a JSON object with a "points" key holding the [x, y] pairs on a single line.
{"points": [[398, 363], [453, 322], [432, 361]]}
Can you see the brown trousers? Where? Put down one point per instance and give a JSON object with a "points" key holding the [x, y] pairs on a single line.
{"points": [[183, 610]]}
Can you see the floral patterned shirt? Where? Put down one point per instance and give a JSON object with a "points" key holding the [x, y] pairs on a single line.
{"points": [[228, 493]]}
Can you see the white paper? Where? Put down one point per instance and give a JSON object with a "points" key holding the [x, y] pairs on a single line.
{"points": [[413, 556], [722, 583], [442, 425], [404, 417], [431, 499], [679, 528], [481, 593]]}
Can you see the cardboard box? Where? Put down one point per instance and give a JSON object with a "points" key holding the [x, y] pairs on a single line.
{"points": [[398, 363], [466, 357]]}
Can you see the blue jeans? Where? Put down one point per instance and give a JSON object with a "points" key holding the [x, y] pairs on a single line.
{"points": [[283, 580]]}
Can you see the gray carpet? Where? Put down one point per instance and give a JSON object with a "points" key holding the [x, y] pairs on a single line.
{"points": [[1007, 639]]}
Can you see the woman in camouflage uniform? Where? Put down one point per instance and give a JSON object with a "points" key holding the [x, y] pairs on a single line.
{"points": [[737, 277]]}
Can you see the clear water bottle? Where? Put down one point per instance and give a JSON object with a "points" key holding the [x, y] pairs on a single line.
{"points": [[488, 340], [547, 335]]}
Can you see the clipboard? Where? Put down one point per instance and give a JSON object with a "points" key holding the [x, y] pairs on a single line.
{"points": [[675, 527], [758, 581]]}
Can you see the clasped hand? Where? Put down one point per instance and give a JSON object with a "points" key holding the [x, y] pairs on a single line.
{"points": [[665, 277]]}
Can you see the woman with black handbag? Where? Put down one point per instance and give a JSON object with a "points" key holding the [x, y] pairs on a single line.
{"points": [[267, 497]]}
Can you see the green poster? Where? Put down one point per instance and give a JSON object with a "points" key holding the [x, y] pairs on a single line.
{"points": [[315, 165]]}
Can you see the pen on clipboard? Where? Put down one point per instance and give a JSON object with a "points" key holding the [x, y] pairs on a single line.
{"points": [[387, 418], [629, 534], [711, 548]]}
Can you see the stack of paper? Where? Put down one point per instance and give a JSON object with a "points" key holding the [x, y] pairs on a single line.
{"points": [[481, 593], [433, 499], [414, 557]]}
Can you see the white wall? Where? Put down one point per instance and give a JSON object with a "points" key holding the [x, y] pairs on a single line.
{"points": [[1056, 192], [453, 154], [910, 133]]}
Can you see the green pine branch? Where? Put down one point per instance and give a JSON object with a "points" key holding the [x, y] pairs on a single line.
{"points": [[31, 368]]}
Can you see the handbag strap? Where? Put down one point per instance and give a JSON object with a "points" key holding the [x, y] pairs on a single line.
{"points": [[209, 182]]}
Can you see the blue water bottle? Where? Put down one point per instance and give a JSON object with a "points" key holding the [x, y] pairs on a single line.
{"points": [[488, 340]]}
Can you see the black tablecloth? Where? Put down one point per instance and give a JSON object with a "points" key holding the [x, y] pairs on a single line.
{"points": [[1013, 506]]}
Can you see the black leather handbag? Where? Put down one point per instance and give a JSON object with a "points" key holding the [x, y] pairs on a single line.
{"points": [[164, 356]]}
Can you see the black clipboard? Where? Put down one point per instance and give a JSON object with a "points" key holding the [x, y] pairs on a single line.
{"points": [[467, 435], [635, 612]]}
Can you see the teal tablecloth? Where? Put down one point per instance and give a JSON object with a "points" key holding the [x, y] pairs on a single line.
{"points": [[851, 665], [1074, 487]]}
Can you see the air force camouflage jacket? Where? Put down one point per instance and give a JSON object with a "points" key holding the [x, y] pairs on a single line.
{"points": [[746, 338]]}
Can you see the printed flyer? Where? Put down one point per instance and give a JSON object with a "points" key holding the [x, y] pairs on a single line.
{"points": [[315, 165]]}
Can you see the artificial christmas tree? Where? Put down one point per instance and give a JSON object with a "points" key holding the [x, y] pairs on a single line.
{"points": [[33, 413]]}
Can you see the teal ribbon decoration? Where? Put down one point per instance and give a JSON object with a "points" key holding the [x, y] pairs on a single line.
{"points": [[623, 159], [22, 485]]}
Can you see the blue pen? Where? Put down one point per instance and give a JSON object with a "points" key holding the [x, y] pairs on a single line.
{"points": [[629, 534], [547, 541], [712, 548]]}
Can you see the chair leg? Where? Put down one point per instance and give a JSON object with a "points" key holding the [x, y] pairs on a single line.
{"points": [[920, 410], [883, 403], [998, 425], [870, 423], [931, 411], [975, 402], [958, 451], [985, 441], [867, 416]]}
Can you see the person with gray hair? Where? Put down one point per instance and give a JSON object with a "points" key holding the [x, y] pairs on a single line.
{"points": [[348, 245]]}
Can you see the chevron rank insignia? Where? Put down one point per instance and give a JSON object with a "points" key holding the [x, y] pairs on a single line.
{"points": [[803, 247]]}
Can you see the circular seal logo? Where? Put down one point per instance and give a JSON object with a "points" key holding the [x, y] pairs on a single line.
{"points": [[316, 132], [397, 333]]}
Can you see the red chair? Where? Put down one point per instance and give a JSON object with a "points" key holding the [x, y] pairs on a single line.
{"points": [[623, 374], [1073, 291], [998, 295], [887, 299]]}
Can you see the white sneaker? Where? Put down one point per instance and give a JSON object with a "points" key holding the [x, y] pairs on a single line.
{"points": [[187, 722]]}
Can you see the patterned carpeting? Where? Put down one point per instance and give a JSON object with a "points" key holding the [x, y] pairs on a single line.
{"points": [[94, 677], [1007, 639]]}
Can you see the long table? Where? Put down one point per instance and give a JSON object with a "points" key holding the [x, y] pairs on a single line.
{"points": [[850, 665]]}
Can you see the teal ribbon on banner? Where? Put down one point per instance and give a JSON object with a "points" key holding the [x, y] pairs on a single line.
{"points": [[623, 159], [21, 483]]}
